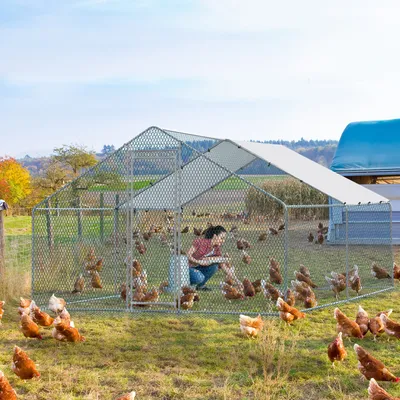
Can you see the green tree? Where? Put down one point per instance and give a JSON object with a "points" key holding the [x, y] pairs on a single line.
{"points": [[54, 177], [75, 156]]}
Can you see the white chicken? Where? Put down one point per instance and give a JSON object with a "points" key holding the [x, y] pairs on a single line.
{"points": [[56, 304]]}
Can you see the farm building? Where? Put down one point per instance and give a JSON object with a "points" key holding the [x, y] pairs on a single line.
{"points": [[115, 239], [368, 154]]}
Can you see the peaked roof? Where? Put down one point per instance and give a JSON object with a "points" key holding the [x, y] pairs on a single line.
{"points": [[369, 148], [228, 157]]}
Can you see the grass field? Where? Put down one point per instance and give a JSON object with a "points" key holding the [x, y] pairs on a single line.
{"points": [[231, 183], [170, 357]]}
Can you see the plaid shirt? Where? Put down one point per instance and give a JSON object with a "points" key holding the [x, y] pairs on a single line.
{"points": [[203, 249]]}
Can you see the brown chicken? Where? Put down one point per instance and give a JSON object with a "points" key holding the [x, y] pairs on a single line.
{"points": [[29, 328], [272, 231], [275, 275], [362, 320], [370, 367], [320, 225], [275, 271], [230, 292], [303, 278], [262, 237], [281, 227], [185, 229], [248, 288], [305, 271], [23, 366], [197, 232], [392, 328], [151, 296], [140, 247], [246, 258], [376, 326], [287, 317], [79, 284], [310, 237], [285, 308], [243, 244], [40, 317], [346, 325], [136, 268], [147, 235], [1, 310], [70, 333], [96, 281], [304, 293], [290, 297], [355, 282], [320, 239], [337, 283], [270, 291], [129, 396], [251, 326], [123, 291], [379, 272], [377, 393], [396, 271], [24, 306], [336, 350], [6, 390], [187, 301], [257, 285]]}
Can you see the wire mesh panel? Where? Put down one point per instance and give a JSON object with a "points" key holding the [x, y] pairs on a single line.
{"points": [[322, 271], [254, 241], [123, 235]]}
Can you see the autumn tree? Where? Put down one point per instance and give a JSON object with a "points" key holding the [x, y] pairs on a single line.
{"points": [[15, 183], [75, 156]]}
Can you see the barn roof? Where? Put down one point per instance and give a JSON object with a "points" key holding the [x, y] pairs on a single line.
{"points": [[369, 148]]}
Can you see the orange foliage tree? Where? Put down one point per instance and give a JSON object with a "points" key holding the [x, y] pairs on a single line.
{"points": [[15, 181]]}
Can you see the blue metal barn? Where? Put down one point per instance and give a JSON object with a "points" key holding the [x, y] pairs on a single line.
{"points": [[368, 154]]}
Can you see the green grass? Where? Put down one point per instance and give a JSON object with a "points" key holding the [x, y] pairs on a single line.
{"points": [[164, 357], [231, 183], [120, 186], [170, 357], [16, 225]]}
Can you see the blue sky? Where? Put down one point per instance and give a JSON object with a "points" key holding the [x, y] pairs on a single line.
{"points": [[99, 72]]}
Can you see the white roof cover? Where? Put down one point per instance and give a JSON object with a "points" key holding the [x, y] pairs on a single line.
{"points": [[313, 174]]}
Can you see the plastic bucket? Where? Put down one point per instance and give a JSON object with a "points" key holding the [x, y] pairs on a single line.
{"points": [[184, 268]]}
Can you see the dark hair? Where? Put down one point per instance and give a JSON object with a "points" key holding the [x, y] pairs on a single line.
{"points": [[214, 230]]}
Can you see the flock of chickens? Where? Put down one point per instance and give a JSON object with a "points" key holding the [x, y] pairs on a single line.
{"points": [[232, 287], [370, 367], [32, 319]]}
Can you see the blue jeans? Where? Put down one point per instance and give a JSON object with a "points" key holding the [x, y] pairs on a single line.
{"points": [[200, 275]]}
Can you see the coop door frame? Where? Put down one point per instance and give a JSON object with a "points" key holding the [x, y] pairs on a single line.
{"points": [[173, 156]]}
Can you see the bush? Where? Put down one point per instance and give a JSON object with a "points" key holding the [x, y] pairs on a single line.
{"points": [[291, 192]]}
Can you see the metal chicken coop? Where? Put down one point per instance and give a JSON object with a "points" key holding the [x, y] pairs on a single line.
{"points": [[115, 239]]}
